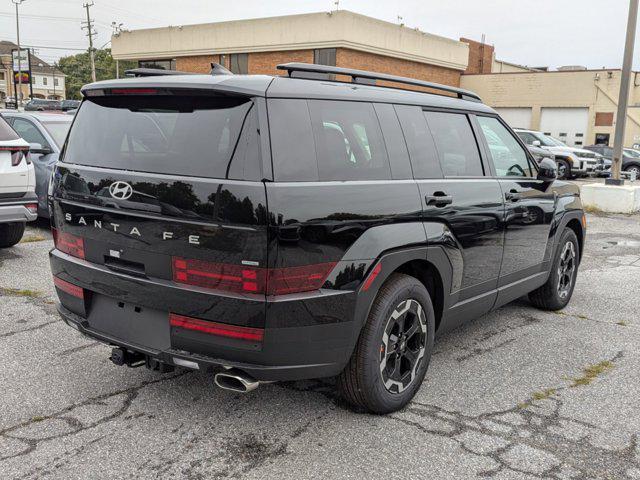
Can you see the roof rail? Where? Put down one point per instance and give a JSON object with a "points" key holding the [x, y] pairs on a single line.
{"points": [[152, 72], [369, 78]]}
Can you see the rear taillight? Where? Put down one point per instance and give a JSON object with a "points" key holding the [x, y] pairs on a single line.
{"points": [[217, 329], [17, 154], [32, 207], [219, 276], [69, 288], [68, 243], [242, 279]]}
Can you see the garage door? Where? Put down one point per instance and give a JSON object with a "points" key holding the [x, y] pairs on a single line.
{"points": [[566, 124], [516, 117]]}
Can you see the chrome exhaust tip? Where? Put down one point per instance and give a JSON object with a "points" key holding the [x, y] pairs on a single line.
{"points": [[236, 381]]}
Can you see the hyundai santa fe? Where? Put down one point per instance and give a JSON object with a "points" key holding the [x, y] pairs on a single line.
{"points": [[280, 228]]}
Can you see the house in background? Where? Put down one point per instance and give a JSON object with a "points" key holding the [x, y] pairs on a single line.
{"points": [[48, 81]]}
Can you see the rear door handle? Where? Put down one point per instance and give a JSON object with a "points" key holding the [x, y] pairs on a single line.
{"points": [[439, 199], [513, 195]]}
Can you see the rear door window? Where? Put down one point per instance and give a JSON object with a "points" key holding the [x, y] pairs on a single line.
{"points": [[456, 144], [29, 132], [191, 135]]}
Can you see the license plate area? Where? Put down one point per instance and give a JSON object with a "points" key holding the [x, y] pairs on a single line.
{"points": [[130, 323]]}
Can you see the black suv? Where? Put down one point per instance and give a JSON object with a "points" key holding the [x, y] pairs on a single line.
{"points": [[296, 227]]}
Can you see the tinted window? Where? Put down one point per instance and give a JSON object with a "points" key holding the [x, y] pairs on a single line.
{"points": [[527, 137], [183, 135], [508, 157], [29, 132], [394, 140], [6, 132], [349, 144], [455, 143], [292, 145], [419, 142]]}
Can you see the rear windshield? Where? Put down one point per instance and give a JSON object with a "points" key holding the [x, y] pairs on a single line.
{"points": [[183, 135], [6, 132]]}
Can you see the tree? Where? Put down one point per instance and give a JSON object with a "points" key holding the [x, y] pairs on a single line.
{"points": [[77, 68]]}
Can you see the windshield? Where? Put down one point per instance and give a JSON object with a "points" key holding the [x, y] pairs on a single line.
{"points": [[58, 130], [632, 153], [193, 135]]}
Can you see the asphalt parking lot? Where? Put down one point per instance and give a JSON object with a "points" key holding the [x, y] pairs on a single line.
{"points": [[519, 393]]}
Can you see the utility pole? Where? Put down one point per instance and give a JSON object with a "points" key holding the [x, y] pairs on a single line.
{"points": [[90, 33], [18, 95], [625, 80], [117, 29]]}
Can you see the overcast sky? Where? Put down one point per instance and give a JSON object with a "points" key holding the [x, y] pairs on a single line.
{"points": [[530, 32]]}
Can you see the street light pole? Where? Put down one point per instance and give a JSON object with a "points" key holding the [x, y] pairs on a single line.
{"points": [[625, 80], [18, 95]]}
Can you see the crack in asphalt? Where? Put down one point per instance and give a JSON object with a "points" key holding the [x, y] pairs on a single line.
{"points": [[76, 425], [530, 428], [30, 329], [71, 351]]}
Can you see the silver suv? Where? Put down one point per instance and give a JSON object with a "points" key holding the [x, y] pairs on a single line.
{"points": [[572, 162]]}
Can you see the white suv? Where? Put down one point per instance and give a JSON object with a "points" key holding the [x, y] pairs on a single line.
{"points": [[18, 200], [572, 161]]}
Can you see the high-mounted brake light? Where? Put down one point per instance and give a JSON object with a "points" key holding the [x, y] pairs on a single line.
{"points": [[134, 91], [68, 243], [69, 288], [243, 279], [217, 329]]}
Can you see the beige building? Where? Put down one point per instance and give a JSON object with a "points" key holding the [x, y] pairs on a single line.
{"points": [[575, 106], [48, 81], [339, 38]]}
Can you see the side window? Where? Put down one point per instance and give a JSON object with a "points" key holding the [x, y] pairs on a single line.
{"points": [[508, 157], [348, 139], [419, 142], [527, 137], [29, 132], [455, 143], [394, 140], [292, 144]]}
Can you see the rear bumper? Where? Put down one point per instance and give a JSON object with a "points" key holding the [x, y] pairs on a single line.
{"points": [[15, 210], [133, 313]]}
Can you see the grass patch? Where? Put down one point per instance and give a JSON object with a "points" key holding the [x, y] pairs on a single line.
{"points": [[592, 372], [622, 323], [591, 209], [537, 396], [15, 292], [37, 419], [32, 238]]}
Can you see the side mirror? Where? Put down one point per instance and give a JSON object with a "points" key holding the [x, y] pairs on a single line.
{"points": [[536, 143], [39, 149], [547, 170]]}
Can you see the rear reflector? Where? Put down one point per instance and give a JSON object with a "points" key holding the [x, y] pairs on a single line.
{"points": [[217, 329], [372, 276], [69, 288], [67, 243], [243, 279], [32, 207]]}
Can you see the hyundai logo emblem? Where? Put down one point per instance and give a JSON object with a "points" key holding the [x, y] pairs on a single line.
{"points": [[120, 190]]}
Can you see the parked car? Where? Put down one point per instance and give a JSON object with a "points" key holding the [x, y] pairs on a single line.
{"points": [[69, 105], [18, 202], [630, 157], [41, 105], [540, 153], [572, 162], [330, 234], [46, 133]]}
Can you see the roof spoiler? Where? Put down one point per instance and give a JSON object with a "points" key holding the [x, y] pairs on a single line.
{"points": [[311, 71]]}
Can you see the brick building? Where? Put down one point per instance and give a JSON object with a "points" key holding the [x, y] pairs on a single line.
{"points": [[339, 38]]}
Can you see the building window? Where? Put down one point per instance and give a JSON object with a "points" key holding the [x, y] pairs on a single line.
{"points": [[325, 56], [44, 80], [2, 76], [55, 82], [239, 63], [158, 64]]}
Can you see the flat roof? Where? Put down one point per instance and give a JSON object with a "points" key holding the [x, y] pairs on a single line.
{"points": [[338, 29]]}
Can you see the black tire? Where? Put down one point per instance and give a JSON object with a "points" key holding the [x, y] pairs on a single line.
{"points": [[555, 294], [633, 166], [564, 169], [10, 234], [361, 382]]}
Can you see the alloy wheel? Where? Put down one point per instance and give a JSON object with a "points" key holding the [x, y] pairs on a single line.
{"points": [[566, 269], [403, 345]]}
